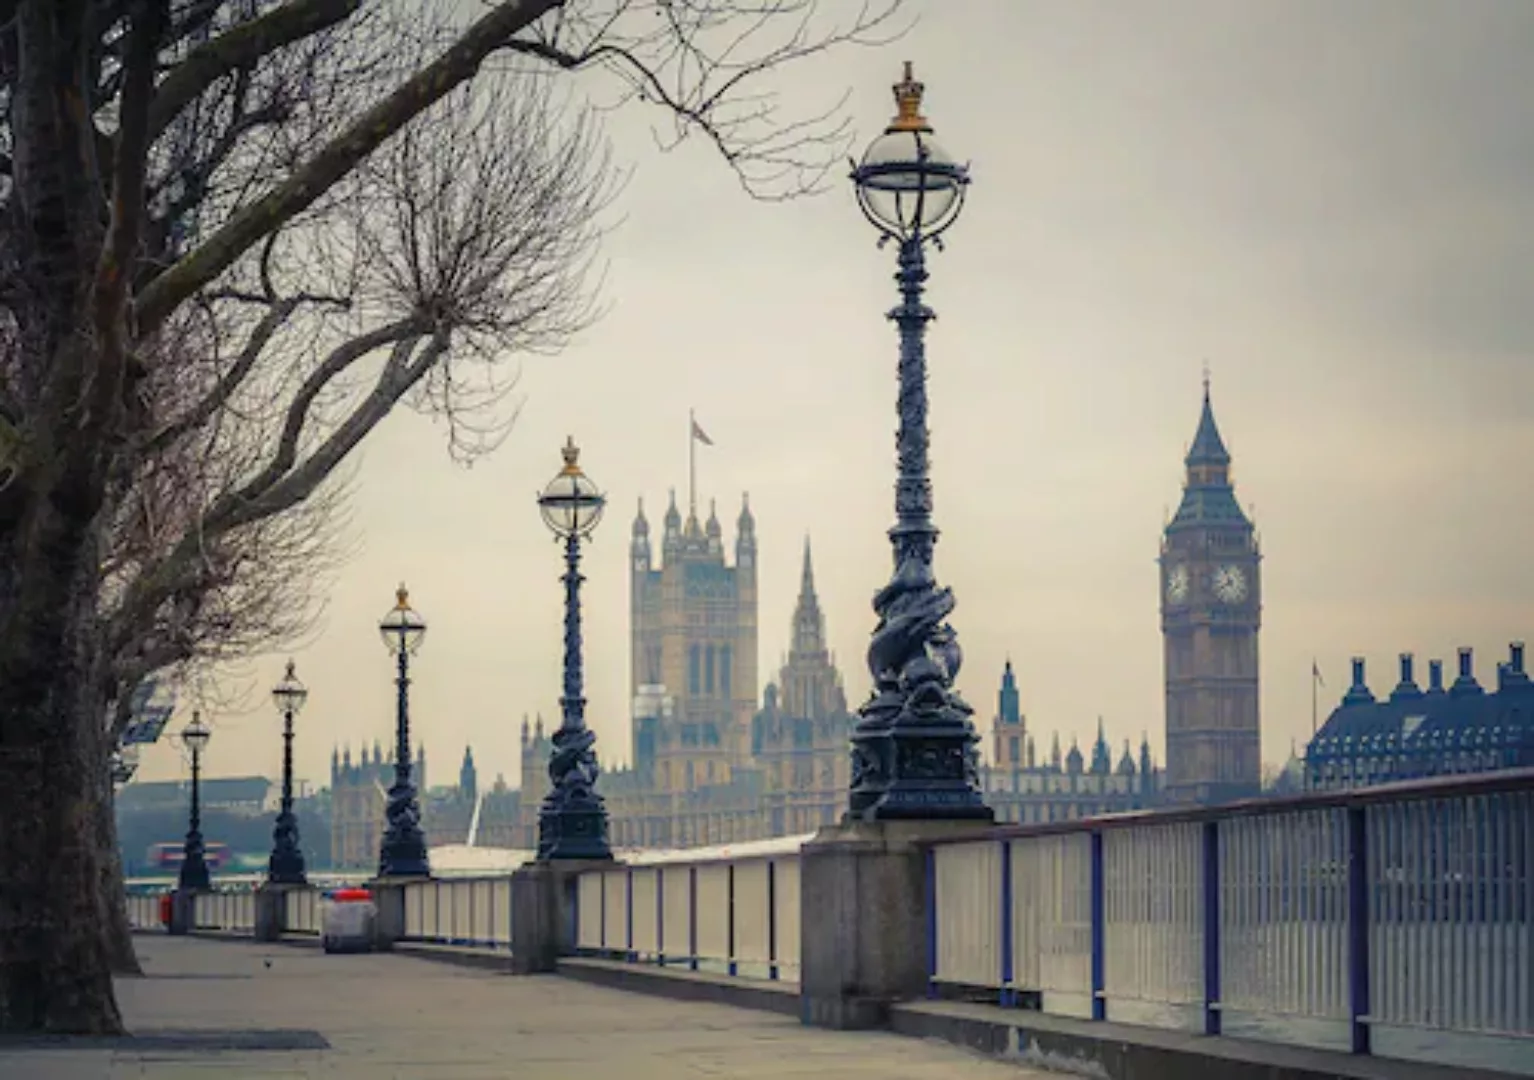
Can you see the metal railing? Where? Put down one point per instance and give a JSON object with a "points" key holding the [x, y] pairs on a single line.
{"points": [[459, 911], [144, 911], [731, 910], [232, 912], [1397, 920]]}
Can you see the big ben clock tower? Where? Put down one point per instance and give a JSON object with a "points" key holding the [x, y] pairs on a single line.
{"points": [[1211, 611]]}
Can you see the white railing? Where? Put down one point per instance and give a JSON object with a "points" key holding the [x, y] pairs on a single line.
{"points": [[730, 910], [459, 911], [229, 911], [301, 911], [144, 911], [1397, 921]]}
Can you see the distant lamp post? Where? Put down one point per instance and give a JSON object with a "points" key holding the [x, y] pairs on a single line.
{"points": [[194, 867], [286, 866], [572, 823], [403, 852], [913, 748], [124, 764]]}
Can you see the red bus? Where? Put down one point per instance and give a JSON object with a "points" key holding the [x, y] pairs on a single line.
{"points": [[168, 856]]}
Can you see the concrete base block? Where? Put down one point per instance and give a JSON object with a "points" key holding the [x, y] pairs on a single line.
{"points": [[270, 905], [389, 899], [183, 912], [866, 947], [543, 912]]}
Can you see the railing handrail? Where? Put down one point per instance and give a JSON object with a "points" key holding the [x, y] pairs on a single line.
{"points": [[1422, 790]]}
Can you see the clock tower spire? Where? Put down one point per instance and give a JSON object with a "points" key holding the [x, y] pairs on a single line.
{"points": [[1211, 613]]}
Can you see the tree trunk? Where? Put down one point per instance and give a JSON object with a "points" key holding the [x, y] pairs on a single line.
{"points": [[117, 937], [55, 974]]}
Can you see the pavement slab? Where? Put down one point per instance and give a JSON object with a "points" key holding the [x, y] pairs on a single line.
{"points": [[244, 1010]]}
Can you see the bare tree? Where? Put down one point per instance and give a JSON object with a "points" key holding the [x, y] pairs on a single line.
{"points": [[188, 186]]}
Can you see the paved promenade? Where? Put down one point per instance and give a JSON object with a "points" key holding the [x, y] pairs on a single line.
{"points": [[235, 1009]]}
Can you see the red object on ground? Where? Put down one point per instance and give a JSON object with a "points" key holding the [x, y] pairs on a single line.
{"points": [[165, 909], [342, 896]]}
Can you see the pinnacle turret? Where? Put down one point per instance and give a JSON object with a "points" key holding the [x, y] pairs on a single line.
{"points": [[809, 625]]}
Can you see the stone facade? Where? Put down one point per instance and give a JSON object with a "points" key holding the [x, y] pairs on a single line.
{"points": [[1022, 788]]}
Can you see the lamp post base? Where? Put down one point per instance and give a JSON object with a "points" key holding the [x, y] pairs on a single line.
{"points": [[286, 868], [573, 831], [403, 851], [915, 774], [403, 856]]}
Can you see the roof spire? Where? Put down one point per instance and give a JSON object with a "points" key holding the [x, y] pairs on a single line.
{"points": [[1208, 448], [807, 574]]}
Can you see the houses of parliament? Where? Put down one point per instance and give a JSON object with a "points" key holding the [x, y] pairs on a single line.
{"points": [[715, 757]]}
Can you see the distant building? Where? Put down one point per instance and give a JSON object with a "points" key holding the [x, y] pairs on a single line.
{"points": [[1413, 733], [241, 796], [1021, 788], [1211, 614], [359, 793], [707, 765]]}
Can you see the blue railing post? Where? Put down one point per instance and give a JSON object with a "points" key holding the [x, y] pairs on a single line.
{"points": [[602, 911], [930, 886], [1211, 928], [628, 917], [1008, 994], [660, 915], [730, 923], [772, 920], [1358, 926], [1099, 930], [573, 904], [692, 918]]}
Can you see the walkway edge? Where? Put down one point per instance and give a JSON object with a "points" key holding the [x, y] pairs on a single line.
{"points": [[1104, 1049], [761, 994]]}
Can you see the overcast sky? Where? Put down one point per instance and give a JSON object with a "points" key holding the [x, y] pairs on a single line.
{"points": [[1330, 204]]}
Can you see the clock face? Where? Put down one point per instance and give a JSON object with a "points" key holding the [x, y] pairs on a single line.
{"points": [[1177, 585], [1229, 584]]}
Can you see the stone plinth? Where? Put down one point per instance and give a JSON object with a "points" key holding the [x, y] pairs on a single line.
{"points": [[271, 909], [543, 911], [389, 900], [183, 911], [865, 945]]}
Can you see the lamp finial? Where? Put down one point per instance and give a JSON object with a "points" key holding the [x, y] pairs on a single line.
{"points": [[908, 95], [402, 597], [572, 455]]}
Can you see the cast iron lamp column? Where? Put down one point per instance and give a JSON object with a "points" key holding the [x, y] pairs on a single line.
{"points": [[194, 867], [403, 852], [572, 823], [913, 747], [286, 866]]}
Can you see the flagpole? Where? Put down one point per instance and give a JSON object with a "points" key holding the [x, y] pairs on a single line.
{"points": [[692, 465], [1315, 675]]}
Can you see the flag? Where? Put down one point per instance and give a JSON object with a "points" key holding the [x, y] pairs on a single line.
{"points": [[1315, 673], [697, 433]]}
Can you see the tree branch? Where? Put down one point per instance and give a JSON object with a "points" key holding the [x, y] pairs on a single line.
{"points": [[459, 63], [229, 382], [240, 47]]}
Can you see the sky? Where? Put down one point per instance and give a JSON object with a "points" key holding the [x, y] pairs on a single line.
{"points": [[1330, 205]]}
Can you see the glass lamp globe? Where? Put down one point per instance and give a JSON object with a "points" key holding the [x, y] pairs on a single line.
{"points": [[907, 184], [402, 629], [196, 734], [571, 505], [290, 694]]}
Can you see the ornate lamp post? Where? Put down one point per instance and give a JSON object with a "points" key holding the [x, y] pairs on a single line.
{"points": [[403, 852], [124, 764], [194, 868], [913, 748], [286, 866], [572, 823]]}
